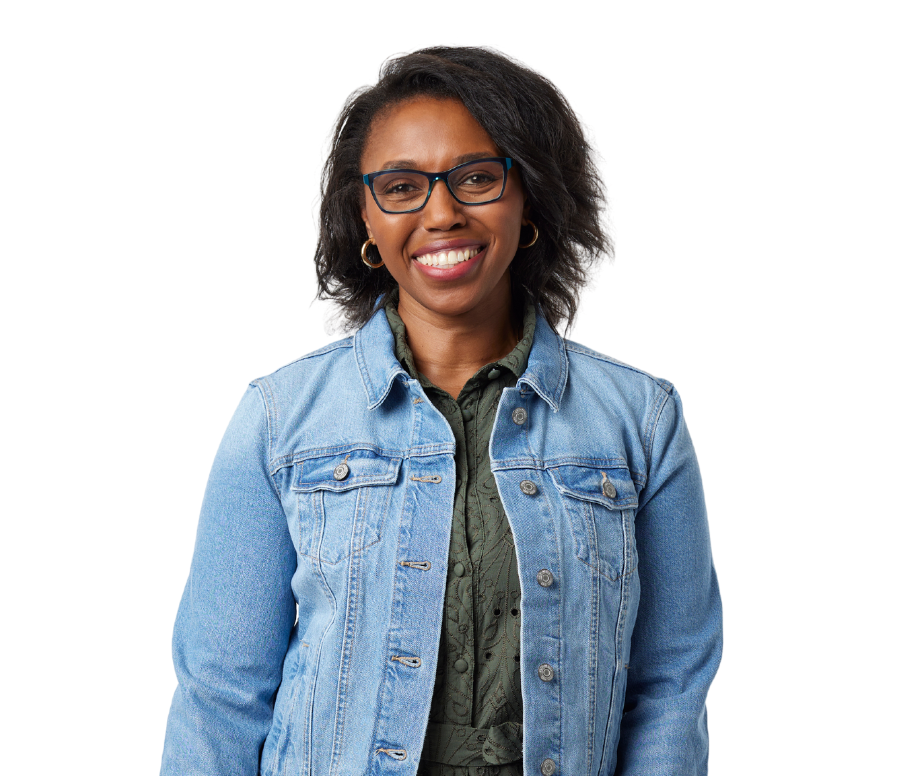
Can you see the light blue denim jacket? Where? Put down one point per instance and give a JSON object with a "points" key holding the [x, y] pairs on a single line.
{"points": [[308, 632]]}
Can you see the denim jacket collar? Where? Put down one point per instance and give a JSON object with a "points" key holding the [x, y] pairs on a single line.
{"points": [[547, 369], [377, 362]]}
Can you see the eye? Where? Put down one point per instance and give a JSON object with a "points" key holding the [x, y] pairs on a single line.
{"points": [[396, 188], [478, 178]]}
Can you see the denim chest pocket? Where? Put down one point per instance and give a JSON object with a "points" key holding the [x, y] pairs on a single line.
{"points": [[601, 509], [342, 502]]}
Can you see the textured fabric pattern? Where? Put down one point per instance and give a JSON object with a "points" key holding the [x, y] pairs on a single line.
{"points": [[475, 727]]}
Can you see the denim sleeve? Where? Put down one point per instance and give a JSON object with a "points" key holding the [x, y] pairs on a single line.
{"points": [[677, 641], [236, 612]]}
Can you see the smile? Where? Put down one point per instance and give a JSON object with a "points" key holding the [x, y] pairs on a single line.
{"points": [[448, 258]]}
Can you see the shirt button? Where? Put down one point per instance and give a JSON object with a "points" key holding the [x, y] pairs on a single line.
{"points": [[519, 416], [528, 488], [458, 569], [340, 472], [461, 666], [548, 767], [544, 577], [467, 415], [609, 490], [493, 373], [546, 673]]}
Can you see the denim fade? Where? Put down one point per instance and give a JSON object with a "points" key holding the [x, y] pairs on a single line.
{"points": [[307, 635]]}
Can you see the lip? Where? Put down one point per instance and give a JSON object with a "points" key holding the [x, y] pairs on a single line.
{"points": [[447, 245], [458, 270]]}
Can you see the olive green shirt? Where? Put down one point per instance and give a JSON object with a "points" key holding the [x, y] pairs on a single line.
{"points": [[475, 727]]}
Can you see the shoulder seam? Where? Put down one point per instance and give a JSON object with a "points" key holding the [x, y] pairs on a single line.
{"points": [[652, 422], [268, 402], [573, 347], [651, 425], [347, 342]]}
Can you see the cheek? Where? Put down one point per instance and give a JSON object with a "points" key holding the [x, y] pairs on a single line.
{"points": [[510, 227], [512, 215], [391, 235], [378, 224]]}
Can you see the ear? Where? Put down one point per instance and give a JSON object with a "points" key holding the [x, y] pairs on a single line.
{"points": [[367, 224]]}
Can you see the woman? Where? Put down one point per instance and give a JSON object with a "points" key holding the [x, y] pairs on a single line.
{"points": [[461, 503]]}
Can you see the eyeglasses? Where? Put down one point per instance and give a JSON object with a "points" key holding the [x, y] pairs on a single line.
{"points": [[472, 183]]}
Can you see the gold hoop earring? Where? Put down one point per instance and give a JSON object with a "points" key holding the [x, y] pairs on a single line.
{"points": [[536, 233], [369, 241]]}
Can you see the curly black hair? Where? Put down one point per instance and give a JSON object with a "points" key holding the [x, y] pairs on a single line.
{"points": [[529, 121]]}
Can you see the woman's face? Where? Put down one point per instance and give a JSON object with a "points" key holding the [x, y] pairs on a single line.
{"points": [[432, 135]]}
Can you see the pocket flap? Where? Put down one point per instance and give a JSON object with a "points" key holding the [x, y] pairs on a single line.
{"points": [[346, 470], [612, 488]]}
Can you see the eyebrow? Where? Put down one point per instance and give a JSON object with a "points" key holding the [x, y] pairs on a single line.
{"points": [[411, 164]]}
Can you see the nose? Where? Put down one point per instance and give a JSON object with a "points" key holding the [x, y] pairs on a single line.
{"points": [[442, 212]]}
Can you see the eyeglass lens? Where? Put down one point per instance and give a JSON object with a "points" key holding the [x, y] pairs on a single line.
{"points": [[472, 184]]}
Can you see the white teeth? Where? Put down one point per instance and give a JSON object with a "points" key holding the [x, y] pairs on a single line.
{"points": [[446, 258]]}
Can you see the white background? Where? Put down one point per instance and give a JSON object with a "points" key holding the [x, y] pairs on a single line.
{"points": [[159, 177]]}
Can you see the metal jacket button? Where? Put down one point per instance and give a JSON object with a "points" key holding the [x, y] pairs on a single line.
{"points": [[467, 415], [458, 569], [546, 673], [609, 490], [340, 472], [493, 373], [548, 767], [461, 665], [519, 416], [528, 488], [545, 577]]}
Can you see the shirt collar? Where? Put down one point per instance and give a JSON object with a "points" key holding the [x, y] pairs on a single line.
{"points": [[515, 361], [546, 373]]}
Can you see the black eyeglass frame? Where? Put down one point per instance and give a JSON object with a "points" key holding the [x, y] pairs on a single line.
{"points": [[507, 164]]}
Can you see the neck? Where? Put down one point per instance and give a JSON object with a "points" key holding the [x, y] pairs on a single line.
{"points": [[450, 349]]}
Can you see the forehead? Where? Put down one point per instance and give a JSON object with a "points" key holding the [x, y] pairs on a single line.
{"points": [[425, 133]]}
